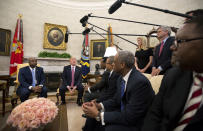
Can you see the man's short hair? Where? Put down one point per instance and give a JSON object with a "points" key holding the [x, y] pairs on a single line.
{"points": [[104, 59], [198, 20], [165, 28], [196, 12], [111, 59], [126, 57]]}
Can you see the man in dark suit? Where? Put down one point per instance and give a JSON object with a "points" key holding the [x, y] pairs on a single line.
{"points": [[72, 80], [178, 105], [106, 87], [107, 92], [131, 101], [31, 79], [162, 54], [93, 92], [110, 88]]}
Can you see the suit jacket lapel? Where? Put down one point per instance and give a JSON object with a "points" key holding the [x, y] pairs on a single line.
{"points": [[181, 91], [29, 72], [128, 84]]}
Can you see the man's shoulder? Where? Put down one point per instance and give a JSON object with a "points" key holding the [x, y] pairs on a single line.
{"points": [[24, 68], [176, 73], [170, 39]]}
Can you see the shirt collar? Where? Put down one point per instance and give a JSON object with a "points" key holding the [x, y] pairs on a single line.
{"points": [[199, 74], [72, 67], [165, 39], [126, 77], [32, 68]]}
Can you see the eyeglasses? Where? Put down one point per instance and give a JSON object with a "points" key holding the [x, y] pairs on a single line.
{"points": [[178, 41]]}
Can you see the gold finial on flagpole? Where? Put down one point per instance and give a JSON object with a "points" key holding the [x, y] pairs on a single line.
{"points": [[20, 16], [86, 26]]}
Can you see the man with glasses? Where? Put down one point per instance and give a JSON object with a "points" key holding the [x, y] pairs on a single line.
{"points": [[178, 105], [108, 92]]}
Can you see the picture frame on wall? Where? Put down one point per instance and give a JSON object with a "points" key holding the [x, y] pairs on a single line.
{"points": [[5, 42], [98, 48], [54, 36]]}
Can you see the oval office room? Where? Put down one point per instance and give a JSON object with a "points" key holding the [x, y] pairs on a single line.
{"points": [[50, 52]]}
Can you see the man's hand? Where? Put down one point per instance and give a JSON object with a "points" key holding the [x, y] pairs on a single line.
{"points": [[86, 87], [98, 105], [37, 89], [155, 72], [74, 87], [90, 109], [69, 88]]}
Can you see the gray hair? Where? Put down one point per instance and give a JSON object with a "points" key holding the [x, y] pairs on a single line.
{"points": [[166, 28], [126, 57], [111, 59]]}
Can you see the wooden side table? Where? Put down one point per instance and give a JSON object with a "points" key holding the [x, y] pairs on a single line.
{"points": [[3, 85]]}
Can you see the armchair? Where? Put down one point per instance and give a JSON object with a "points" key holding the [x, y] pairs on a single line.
{"points": [[14, 97]]}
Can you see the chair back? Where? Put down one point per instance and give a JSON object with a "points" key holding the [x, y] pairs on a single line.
{"points": [[19, 66], [155, 81]]}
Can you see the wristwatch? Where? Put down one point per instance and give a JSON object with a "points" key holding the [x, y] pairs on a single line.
{"points": [[98, 117]]}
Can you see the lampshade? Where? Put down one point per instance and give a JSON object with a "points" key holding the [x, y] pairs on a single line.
{"points": [[110, 51]]}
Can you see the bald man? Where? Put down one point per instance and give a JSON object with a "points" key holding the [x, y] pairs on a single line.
{"points": [[31, 79]]}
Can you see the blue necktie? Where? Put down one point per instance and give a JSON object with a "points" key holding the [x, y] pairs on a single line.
{"points": [[33, 77], [122, 93]]}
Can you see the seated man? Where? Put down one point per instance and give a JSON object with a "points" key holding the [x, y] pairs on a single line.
{"points": [[72, 79], [108, 92], [131, 101], [31, 79], [94, 92]]}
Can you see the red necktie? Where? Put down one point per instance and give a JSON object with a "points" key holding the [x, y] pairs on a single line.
{"points": [[192, 104], [73, 73], [161, 47]]}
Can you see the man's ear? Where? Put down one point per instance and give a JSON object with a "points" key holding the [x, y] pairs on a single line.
{"points": [[122, 65]]}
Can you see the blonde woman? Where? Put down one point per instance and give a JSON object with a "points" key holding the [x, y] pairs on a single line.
{"points": [[143, 56]]}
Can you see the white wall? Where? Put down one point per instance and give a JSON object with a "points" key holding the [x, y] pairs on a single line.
{"points": [[35, 14]]}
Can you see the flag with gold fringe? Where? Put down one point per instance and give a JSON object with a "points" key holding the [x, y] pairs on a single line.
{"points": [[110, 36], [17, 47], [84, 62]]}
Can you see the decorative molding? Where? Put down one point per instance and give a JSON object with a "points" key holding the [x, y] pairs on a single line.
{"points": [[82, 4]]}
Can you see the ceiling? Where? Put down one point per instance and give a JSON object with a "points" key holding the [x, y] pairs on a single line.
{"points": [[81, 4]]}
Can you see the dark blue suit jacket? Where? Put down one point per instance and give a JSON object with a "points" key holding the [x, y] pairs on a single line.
{"points": [[25, 77], [164, 60], [110, 88], [67, 76], [169, 103], [136, 99]]}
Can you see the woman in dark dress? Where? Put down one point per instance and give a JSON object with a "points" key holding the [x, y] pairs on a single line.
{"points": [[143, 56]]}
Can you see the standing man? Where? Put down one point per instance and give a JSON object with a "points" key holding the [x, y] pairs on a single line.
{"points": [[178, 105], [31, 79], [162, 55], [131, 101], [72, 80]]}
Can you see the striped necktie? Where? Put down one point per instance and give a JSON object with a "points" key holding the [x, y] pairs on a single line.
{"points": [[192, 104], [122, 93]]}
